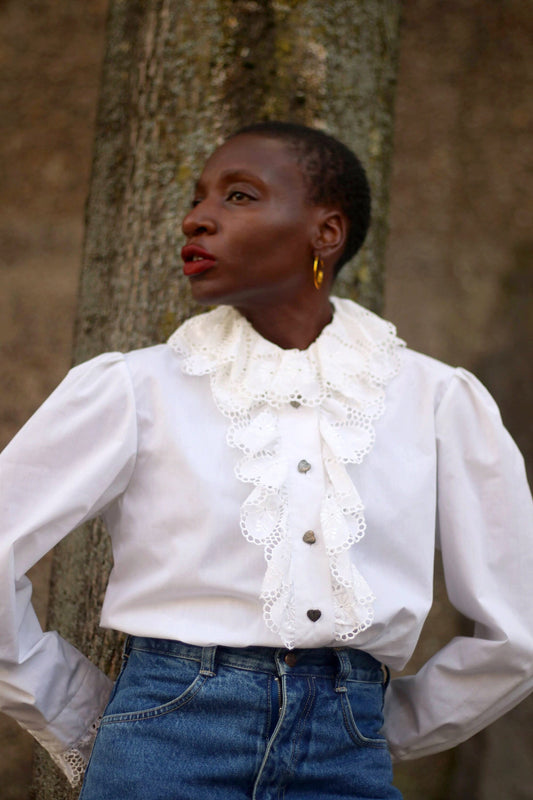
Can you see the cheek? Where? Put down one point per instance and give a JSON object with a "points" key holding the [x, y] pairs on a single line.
{"points": [[277, 237], [277, 243], [251, 242]]}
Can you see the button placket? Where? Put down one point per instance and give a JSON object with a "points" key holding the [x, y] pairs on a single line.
{"points": [[306, 484]]}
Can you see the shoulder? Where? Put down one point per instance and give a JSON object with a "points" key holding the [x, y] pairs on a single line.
{"points": [[158, 372], [463, 408], [422, 370], [154, 363], [418, 377], [149, 359], [447, 384], [118, 374]]}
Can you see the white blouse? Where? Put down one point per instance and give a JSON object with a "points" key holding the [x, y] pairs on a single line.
{"points": [[243, 486]]}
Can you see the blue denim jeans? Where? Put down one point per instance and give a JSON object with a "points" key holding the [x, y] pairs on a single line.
{"points": [[256, 723]]}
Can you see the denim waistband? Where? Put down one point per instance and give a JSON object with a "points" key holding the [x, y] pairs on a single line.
{"points": [[346, 662]]}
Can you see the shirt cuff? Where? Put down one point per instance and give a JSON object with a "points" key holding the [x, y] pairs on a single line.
{"points": [[71, 752], [73, 762]]}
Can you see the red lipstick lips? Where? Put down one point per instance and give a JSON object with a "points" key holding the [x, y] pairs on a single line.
{"points": [[196, 259]]}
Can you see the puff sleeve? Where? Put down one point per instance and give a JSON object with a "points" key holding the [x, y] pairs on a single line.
{"points": [[73, 457], [485, 530]]}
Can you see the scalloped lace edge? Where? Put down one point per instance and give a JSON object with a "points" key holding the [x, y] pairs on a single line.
{"points": [[73, 761], [343, 374]]}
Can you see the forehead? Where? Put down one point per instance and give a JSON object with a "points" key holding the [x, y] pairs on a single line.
{"points": [[270, 160]]}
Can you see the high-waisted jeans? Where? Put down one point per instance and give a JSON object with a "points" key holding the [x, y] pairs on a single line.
{"points": [[255, 723]]}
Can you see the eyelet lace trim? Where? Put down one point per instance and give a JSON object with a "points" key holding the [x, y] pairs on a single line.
{"points": [[73, 762], [344, 374]]}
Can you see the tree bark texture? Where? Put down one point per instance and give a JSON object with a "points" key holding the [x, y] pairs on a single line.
{"points": [[178, 77]]}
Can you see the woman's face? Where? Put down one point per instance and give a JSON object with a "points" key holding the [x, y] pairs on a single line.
{"points": [[250, 230]]}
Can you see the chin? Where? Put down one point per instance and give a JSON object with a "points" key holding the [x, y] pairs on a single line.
{"points": [[207, 297], [211, 292]]}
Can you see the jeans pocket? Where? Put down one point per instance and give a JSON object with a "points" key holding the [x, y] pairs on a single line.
{"points": [[152, 684], [362, 704]]}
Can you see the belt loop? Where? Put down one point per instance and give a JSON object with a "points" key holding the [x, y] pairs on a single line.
{"points": [[207, 665], [126, 649], [345, 667]]}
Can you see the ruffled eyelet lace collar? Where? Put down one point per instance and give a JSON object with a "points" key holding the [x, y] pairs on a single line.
{"points": [[344, 373]]}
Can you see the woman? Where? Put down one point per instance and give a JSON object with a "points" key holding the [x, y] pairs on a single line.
{"points": [[257, 659]]}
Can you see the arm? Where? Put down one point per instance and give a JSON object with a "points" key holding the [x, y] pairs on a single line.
{"points": [[485, 522], [72, 458]]}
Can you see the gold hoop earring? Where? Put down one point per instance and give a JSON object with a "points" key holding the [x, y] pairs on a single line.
{"points": [[318, 272]]}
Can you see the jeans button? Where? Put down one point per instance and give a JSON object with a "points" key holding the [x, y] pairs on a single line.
{"points": [[291, 659]]}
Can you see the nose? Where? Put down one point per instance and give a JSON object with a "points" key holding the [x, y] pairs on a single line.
{"points": [[198, 220]]}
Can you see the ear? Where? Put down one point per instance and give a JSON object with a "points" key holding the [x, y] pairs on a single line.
{"points": [[330, 234]]}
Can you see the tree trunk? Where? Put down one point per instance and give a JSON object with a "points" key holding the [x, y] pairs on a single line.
{"points": [[178, 77]]}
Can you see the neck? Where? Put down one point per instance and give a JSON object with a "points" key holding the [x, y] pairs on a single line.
{"points": [[289, 326]]}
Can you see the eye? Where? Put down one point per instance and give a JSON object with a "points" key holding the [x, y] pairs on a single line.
{"points": [[238, 197], [195, 202]]}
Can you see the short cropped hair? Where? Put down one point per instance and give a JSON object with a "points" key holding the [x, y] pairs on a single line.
{"points": [[333, 174]]}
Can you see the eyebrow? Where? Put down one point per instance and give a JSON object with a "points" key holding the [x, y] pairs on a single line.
{"points": [[238, 174]]}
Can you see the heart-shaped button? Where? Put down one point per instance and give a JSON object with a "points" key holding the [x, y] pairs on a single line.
{"points": [[314, 614]]}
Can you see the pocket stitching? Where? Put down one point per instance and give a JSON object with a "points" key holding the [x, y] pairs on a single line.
{"points": [[353, 731], [159, 711]]}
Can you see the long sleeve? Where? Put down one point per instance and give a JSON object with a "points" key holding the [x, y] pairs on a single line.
{"points": [[72, 458], [485, 527]]}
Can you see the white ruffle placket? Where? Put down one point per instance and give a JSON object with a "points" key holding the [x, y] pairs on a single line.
{"points": [[344, 373]]}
